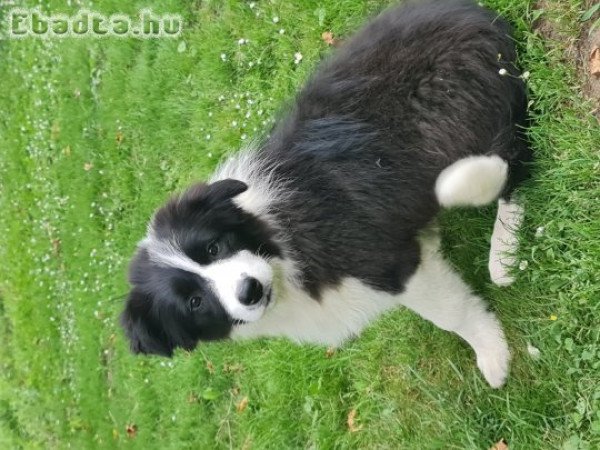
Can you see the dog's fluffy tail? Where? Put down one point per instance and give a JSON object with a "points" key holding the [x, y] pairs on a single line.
{"points": [[472, 181]]}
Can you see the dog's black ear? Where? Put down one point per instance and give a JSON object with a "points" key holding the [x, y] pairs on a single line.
{"points": [[212, 194], [144, 331], [226, 189]]}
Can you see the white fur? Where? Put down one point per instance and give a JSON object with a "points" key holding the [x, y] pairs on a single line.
{"points": [[263, 189], [471, 181], [341, 314], [504, 242], [224, 275], [435, 292]]}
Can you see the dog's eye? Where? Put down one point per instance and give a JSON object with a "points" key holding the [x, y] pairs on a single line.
{"points": [[195, 302], [213, 249]]}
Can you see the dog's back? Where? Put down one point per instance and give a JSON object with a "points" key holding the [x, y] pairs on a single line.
{"points": [[434, 77], [422, 86]]}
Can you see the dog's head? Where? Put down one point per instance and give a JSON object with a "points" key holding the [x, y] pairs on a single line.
{"points": [[202, 269]]}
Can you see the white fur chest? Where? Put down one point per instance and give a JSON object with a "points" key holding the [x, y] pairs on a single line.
{"points": [[341, 314]]}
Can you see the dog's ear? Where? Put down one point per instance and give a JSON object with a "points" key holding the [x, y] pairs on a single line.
{"points": [[144, 331], [226, 189], [213, 193]]}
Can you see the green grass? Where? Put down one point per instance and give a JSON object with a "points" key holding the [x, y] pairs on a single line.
{"points": [[147, 118]]}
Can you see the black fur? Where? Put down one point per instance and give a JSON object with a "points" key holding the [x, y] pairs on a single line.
{"points": [[416, 90]]}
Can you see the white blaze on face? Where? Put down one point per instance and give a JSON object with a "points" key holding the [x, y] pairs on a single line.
{"points": [[224, 275], [227, 274]]}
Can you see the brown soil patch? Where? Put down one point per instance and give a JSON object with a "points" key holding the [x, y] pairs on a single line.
{"points": [[576, 50], [588, 43]]}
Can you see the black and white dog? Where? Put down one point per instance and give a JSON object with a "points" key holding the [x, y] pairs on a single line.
{"points": [[329, 222]]}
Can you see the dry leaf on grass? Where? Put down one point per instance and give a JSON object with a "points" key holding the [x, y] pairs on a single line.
{"points": [[242, 405], [232, 368], [328, 38], [119, 137], [210, 367], [330, 352], [131, 430], [351, 422], [500, 445], [595, 61], [87, 167], [56, 246]]}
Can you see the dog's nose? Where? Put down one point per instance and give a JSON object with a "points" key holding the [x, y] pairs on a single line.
{"points": [[250, 291]]}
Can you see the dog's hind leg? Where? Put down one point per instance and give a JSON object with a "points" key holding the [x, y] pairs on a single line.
{"points": [[504, 241], [437, 293], [472, 181], [476, 181]]}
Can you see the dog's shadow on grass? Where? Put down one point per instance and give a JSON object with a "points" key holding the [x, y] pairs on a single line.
{"points": [[466, 237]]}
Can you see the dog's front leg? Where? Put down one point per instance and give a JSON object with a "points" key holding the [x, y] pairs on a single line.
{"points": [[437, 293]]}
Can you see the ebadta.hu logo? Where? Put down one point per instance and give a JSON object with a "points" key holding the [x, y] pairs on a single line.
{"points": [[23, 23]]}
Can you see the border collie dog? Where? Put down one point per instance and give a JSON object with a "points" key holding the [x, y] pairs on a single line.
{"points": [[330, 221]]}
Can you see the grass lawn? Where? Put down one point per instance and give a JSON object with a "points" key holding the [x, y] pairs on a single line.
{"points": [[95, 133]]}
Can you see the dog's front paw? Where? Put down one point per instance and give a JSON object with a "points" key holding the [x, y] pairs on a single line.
{"points": [[494, 364]]}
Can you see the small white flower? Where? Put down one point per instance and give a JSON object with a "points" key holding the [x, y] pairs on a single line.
{"points": [[208, 137], [243, 41], [244, 136], [503, 72], [281, 31], [297, 57], [223, 57], [252, 5], [539, 232], [523, 264], [210, 154], [275, 19], [525, 75], [234, 123], [534, 352]]}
